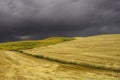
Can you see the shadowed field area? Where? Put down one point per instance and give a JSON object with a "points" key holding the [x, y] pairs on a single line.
{"points": [[88, 58]]}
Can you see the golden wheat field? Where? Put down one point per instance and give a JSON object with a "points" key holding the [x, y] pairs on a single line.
{"points": [[81, 58]]}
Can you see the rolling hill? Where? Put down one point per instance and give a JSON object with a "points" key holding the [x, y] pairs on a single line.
{"points": [[59, 58]]}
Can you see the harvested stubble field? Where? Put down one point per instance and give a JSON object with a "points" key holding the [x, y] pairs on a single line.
{"points": [[88, 58]]}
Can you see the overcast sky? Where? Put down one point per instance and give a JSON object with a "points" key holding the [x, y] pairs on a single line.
{"points": [[37, 19]]}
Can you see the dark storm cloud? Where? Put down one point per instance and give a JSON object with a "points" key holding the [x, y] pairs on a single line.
{"points": [[36, 19]]}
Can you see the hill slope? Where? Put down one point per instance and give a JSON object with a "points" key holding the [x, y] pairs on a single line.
{"points": [[89, 58], [98, 52]]}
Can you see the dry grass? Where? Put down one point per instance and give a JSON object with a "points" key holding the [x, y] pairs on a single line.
{"points": [[17, 66], [101, 52], [98, 58]]}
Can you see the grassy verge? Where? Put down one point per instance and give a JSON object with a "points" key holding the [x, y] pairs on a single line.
{"points": [[23, 45]]}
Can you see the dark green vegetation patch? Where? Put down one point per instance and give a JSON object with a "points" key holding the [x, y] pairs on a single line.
{"points": [[23, 45]]}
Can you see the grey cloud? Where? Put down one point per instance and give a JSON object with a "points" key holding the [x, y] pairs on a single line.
{"points": [[36, 19]]}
